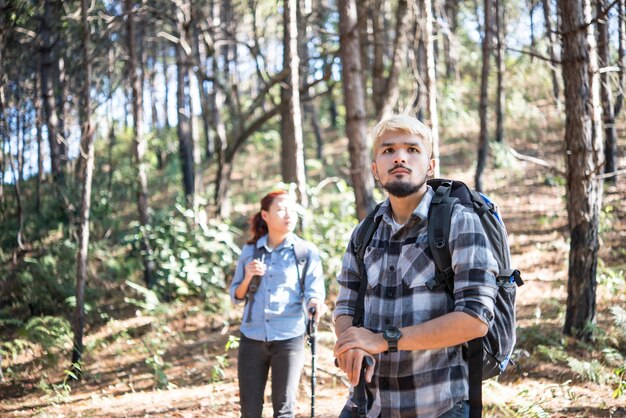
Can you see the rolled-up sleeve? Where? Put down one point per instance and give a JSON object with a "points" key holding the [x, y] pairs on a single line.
{"points": [[247, 253], [314, 280], [475, 268]]}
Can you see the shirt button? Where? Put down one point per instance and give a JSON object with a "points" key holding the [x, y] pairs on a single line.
{"points": [[389, 294], [387, 321], [392, 268]]}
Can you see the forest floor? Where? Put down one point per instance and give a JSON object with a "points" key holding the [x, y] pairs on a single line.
{"points": [[198, 378]]}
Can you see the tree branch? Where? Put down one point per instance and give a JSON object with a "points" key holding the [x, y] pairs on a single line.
{"points": [[551, 166]]}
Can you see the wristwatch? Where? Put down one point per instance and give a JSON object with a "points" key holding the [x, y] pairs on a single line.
{"points": [[392, 335]]}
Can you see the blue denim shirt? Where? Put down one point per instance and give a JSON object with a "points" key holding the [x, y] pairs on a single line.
{"points": [[278, 312]]}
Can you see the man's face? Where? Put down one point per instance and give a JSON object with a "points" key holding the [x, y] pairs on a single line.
{"points": [[402, 163]]}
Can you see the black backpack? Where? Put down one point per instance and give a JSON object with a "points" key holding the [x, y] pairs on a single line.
{"points": [[487, 356]]}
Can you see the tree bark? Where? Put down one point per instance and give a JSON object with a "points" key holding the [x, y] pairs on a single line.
{"points": [[38, 127], [501, 66], [87, 152], [431, 83], [16, 168], [584, 159], [139, 142], [356, 129], [185, 144], [547, 15], [483, 142], [451, 48], [292, 155], [378, 65], [391, 88], [47, 95], [606, 95]]}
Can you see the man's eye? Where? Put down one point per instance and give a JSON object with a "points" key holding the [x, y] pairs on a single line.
{"points": [[413, 149], [387, 150]]}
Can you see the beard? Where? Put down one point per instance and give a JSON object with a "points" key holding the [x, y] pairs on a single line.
{"points": [[401, 188]]}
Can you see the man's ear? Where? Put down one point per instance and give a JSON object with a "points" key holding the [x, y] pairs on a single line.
{"points": [[431, 167], [374, 171]]}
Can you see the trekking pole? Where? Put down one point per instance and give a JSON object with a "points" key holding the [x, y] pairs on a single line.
{"points": [[311, 330], [362, 396]]}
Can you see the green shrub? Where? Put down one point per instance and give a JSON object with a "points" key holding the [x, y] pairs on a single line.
{"points": [[191, 259]]}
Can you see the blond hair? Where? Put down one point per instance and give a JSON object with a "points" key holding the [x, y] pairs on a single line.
{"points": [[404, 124]]}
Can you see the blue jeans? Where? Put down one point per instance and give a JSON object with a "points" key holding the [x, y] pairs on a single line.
{"points": [[254, 360], [459, 410]]}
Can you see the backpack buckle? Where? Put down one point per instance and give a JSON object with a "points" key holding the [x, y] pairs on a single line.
{"points": [[440, 243]]}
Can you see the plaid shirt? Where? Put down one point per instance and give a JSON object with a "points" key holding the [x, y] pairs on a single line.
{"points": [[423, 383]]}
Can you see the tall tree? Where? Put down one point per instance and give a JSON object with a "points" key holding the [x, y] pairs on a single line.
{"points": [[4, 8], [139, 141], [584, 159], [483, 142], [606, 94], [87, 152], [451, 12], [431, 82], [552, 44], [387, 98], [47, 94], [500, 31], [183, 101], [356, 128], [292, 150]]}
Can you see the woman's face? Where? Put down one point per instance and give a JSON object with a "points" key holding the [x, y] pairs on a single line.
{"points": [[282, 216]]}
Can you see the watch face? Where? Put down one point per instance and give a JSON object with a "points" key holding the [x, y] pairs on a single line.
{"points": [[392, 333]]}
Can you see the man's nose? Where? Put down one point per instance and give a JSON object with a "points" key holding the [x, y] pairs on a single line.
{"points": [[400, 157]]}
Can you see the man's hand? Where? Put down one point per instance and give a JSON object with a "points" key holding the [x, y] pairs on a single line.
{"points": [[351, 361], [362, 338], [320, 309]]}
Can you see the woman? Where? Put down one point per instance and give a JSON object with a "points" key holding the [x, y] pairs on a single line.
{"points": [[269, 279]]}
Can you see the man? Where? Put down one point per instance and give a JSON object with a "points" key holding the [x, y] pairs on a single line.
{"points": [[413, 333]]}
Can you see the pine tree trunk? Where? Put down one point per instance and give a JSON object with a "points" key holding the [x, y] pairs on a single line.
{"points": [[47, 94], [450, 45], [500, 62], [392, 89], [547, 15], [139, 142], [378, 65], [606, 95], [483, 142], [38, 127], [584, 158], [185, 144], [83, 242], [356, 128], [292, 160], [431, 83]]}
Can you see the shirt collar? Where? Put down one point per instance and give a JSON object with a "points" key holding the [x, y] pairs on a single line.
{"points": [[421, 211], [288, 242]]}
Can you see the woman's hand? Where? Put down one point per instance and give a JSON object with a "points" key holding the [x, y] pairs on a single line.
{"points": [[320, 308], [254, 268]]}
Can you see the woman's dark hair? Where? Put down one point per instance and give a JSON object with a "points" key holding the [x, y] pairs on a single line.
{"points": [[258, 227]]}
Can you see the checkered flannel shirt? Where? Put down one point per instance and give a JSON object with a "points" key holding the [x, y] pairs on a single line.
{"points": [[424, 383]]}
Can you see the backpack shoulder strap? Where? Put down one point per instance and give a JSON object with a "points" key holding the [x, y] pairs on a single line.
{"points": [[439, 217], [363, 237], [259, 252], [301, 251]]}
